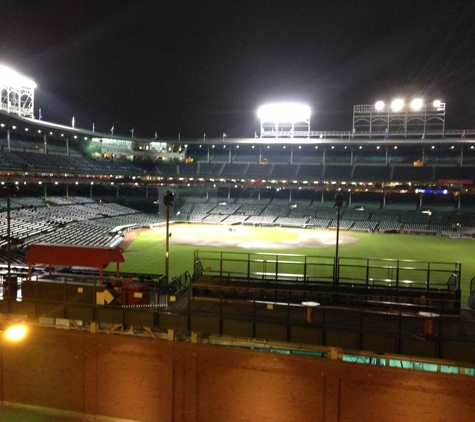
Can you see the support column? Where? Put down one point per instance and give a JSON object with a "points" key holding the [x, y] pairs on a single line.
{"points": [[67, 190], [67, 145], [8, 139], [292, 154], [146, 191], [45, 142], [229, 155], [117, 191], [90, 190], [45, 189]]}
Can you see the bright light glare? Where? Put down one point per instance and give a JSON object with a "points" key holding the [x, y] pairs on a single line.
{"points": [[416, 104], [284, 112], [436, 103], [16, 332], [397, 104], [379, 105], [10, 77], [310, 303]]}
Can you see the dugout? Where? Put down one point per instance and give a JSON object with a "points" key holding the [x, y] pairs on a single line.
{"points": [[73, 256]]}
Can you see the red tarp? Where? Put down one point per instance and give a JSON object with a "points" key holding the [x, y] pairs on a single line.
{"points": [[69, 255]]}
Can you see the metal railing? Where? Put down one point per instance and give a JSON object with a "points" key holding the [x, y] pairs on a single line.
{"points": [[305, 269]]}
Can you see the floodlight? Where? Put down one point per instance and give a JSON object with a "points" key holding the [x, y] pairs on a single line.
{"points": [[436, 103], [379, 105], [417, 104], [397, 104], [284, 113], [11, 77]]}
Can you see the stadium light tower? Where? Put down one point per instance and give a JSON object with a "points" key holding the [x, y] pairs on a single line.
{"points": [[284, 120], [17, 93], [400, 118]]}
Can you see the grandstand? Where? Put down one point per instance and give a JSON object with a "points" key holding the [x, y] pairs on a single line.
{"points": [[81, 188], [390, 184]]}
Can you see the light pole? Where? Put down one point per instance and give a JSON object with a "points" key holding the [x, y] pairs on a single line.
{"points": [[10, 189], [338, 204], [167, 200]]}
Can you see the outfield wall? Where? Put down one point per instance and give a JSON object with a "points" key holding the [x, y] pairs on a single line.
{"points": [[144, 379]]}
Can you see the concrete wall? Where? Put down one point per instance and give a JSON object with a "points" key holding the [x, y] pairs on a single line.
{"points": [[146, 379]]}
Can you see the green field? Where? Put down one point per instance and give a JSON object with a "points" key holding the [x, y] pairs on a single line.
{"points": [[146, 253]]}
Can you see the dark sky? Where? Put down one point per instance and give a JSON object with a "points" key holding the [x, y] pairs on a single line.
{"points": [[205, 66]]}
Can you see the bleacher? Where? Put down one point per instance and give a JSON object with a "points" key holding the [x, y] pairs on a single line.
{"points": [[308, 154], [259, 171], [264, 220], [336, 172], [210, 169], [372, 173], [318, 223], [234, 170], [188, 169], [413, 174], [284, 171], [291, 221], [296, 204]]}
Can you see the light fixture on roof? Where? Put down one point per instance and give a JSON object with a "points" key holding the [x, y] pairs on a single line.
{"points": [[282, 119], [397, 104], [417, 103], [284, 112], [379, 106], [19, 87], [9, 76]]}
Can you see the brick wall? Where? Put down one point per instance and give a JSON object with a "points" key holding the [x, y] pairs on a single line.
{"points": [[146, 379]]}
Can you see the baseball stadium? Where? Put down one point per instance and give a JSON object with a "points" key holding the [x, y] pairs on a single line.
{"points": [[352, 246]]}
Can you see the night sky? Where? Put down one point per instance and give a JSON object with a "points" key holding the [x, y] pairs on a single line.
{"points": [[199, 67]]}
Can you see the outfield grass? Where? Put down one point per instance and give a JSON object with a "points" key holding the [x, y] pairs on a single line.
{"points": [[146, 254]]}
